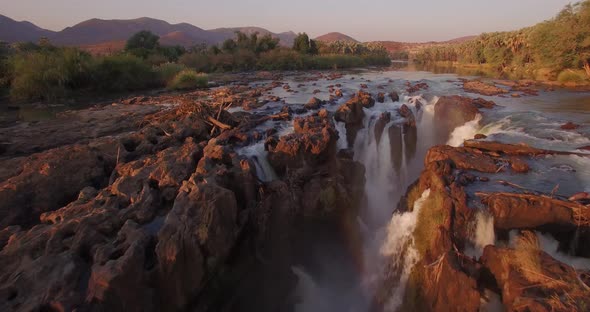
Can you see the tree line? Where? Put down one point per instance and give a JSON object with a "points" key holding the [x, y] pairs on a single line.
{"points": [[557, 49], [42, 71]]}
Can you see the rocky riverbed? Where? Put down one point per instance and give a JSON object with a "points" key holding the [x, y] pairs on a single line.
{"points": [[304, 192]]}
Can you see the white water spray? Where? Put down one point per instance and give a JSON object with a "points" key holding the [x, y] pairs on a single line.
{"points": [[258, 155], [464, 132], [399, 250], [483, 234], [342, 140]]}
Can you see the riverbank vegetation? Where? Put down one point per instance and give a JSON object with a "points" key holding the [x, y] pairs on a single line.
{"points": [[554, 50], [33, 72]]}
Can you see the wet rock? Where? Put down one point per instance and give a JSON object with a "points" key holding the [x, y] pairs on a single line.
{"points": [[480, 136], [418, 86], [381, 97], [394, 96], [352, 114], [462, 158], [518, 165], [569, 126], [338, 93], [380, 124], [476, 86], [314, 103], [453, 111], [527, 211]]}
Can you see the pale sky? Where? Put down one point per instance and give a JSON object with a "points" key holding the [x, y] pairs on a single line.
{"points": [[398, 20]]}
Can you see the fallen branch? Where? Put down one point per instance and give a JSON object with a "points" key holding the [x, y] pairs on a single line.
{"points": [[218, 123]]}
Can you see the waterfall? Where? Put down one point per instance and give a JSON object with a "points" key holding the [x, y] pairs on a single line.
{"points": [[399, 251], [258, 155], [483, 234], [342, 141], [464, 132], [380, 175]]}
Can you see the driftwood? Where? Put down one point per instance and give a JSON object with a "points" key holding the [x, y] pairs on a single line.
{"points": [[279, 116], [218, 123], [215, 121]]}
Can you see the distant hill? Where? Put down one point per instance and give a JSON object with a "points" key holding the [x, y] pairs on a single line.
{"points": [[335, 36], [105, 35], [13, 31], [96, 31]]}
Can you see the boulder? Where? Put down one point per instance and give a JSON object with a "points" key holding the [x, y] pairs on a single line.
{"points": [[394, 96], [314, 103]]}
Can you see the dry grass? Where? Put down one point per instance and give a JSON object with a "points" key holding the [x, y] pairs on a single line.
{"points": [[564, 294]]}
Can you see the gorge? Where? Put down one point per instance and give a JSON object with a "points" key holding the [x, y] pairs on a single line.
{"points": [[365, 190]]}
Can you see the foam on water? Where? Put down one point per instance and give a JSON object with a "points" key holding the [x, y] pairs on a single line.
{"points": [[399, 250], [464, 132]]}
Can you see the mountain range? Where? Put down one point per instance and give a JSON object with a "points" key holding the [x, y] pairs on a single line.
{"points": [[100, 32], [105, 36]]}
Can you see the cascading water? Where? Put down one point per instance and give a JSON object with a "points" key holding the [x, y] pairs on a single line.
{"points": [[399, 252], [483, 234], [342, 141], [380, 174], [464, 132], [257, 154]]}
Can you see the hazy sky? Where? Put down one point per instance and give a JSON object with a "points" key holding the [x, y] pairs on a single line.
{"points": [[402, 20]]}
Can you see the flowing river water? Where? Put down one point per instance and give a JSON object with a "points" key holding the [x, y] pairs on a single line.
{"points": [[331, 280]]}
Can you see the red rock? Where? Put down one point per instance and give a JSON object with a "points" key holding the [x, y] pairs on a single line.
{"points": [[569, 126], [480, 136], [314, 103], [526, 211]]}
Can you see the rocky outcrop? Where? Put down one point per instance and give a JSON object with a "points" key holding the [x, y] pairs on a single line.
{"points": [[453, 111], [351, 114], [312, 143], [479, 87], [531, 280], [529, 211], [525, 277]]}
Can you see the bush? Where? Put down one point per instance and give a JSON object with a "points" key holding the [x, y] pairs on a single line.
{"points": [[280, 59], [48, 74], [189, 79], [571, 76], [167, 71], [123, 73]]}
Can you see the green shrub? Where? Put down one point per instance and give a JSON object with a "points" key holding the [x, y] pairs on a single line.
{"points": [[198, 61], [280, 59], [571, 76], [123, 73], [167, 71], [189, 79], [48, 74]]}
